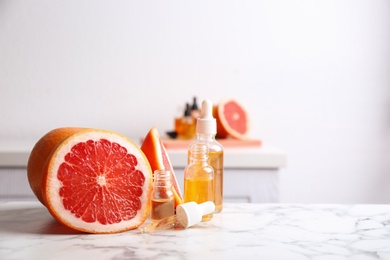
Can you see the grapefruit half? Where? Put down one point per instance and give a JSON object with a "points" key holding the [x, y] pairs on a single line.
{"points": [[96, 181], [39, 154], [232, 119], [155, 151]]}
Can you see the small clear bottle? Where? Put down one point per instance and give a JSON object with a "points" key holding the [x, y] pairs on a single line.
{"points": [[199, 178], [206, 129], [163, 202]]}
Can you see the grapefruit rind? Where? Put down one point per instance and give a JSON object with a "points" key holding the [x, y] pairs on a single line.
{"points": [[52, 185]]}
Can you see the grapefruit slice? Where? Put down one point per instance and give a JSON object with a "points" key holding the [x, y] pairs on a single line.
{"points": [[97, 181], [232, 119], [155, 151]]}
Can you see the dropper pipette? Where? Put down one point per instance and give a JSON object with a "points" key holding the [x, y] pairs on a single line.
{"points": [[163, 224], [187, 215]]}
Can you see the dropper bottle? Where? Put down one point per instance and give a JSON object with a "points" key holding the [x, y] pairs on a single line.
{"points": [[195, 112], [185, 125], [199, 178], [206, 129]]}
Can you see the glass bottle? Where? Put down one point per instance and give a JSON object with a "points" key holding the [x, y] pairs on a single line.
{"points": [[184, 126], [206, 129], [163, 203], [199, 178], [195, 111]]}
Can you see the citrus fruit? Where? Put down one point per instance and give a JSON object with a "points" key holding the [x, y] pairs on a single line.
{"points": [[95, 181], [155, 151], [232, 119], [39, 154]]}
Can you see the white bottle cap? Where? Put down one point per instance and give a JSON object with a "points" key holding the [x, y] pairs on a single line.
{"points": [[191, 213], [206, 123]]}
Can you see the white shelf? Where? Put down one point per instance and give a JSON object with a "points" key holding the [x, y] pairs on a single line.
{"points": [[250, 175], [266, 157], [15, 154]]}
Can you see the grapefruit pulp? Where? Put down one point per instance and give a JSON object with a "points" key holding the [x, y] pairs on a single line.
{"points": [[96, 181], [155, 151], [232, 119]]}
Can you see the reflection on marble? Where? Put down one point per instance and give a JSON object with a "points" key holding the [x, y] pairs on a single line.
{"points": [[247, 231]]}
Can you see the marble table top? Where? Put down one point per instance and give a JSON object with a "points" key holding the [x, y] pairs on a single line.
{"points": [[241, 231]]}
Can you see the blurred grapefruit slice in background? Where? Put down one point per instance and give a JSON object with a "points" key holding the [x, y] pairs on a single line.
{"points": [[155, 151], [232, 119], [94, 181]]}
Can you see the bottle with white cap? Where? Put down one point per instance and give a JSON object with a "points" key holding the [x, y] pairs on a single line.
{"points": [[199, 177], [191, 213], [206, 129]]}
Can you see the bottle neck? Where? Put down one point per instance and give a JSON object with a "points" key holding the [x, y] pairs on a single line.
{"points": [[198, 159], [199, 153], [162, 178], [162, 183], [205, 137]]}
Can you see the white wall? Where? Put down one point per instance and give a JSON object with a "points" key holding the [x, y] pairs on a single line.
{"points": [[314, 76]]}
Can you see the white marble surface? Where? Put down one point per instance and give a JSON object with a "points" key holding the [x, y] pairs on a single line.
{"points": [[241, 231]]}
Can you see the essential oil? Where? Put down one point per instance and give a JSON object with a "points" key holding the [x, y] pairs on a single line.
{"points": [[185, 125], [162, 208], [199, 178], [162, 202], [199, 190], [206, 129], [216, 161]]}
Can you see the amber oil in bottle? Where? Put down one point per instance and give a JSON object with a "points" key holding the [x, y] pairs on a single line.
{"points": [[216, 161], [185, 126], [162, 196], [199, 178]]}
